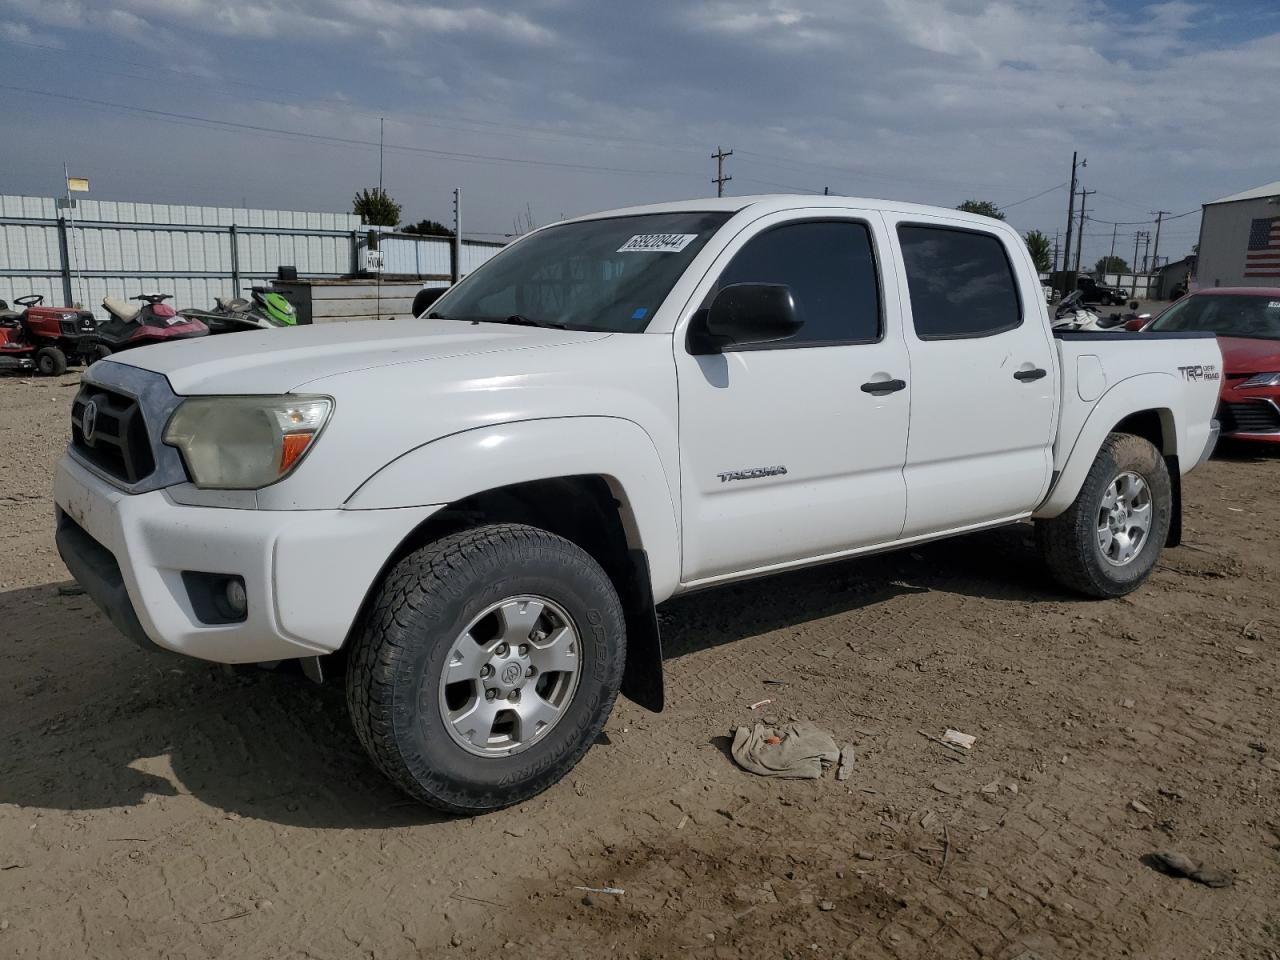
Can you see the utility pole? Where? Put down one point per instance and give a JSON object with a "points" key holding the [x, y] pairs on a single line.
{"points": [[1155, 253], [455, 267], [1137, 238], [380, 125], [1054, 266], [1146, 249], [1069, 282], [1084, 198], [1112, 258], [720, 180]]}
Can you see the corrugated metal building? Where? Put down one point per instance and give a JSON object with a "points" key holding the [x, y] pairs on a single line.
{"points": [[1240, 240]]}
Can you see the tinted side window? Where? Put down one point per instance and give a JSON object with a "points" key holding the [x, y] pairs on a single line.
{"points": [[831, 270], [961, 283]]}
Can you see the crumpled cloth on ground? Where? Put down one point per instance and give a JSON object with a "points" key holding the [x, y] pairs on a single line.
{"points": [[799, 753]]}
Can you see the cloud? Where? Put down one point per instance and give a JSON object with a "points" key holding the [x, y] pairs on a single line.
{"points": [[930, 100], [16, 32], [394, 21]]}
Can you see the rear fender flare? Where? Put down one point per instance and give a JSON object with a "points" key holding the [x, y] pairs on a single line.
{"points": [[1159, 392], [460, 465]]}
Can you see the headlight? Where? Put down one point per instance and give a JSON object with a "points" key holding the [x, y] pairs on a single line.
{"points": [[243, 443], [1263, 380]]}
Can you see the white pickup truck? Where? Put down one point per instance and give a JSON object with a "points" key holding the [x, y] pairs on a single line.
{"points": [[480, 507]]}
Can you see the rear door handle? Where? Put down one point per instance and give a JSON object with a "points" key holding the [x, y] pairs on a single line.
{"points": [[884, 386], [1026, 375]]}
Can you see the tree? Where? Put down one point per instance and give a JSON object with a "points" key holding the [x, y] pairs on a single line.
{"points": [[984, 207], [1111, 265], [376, 208], [1041, 250], [428, 228]]}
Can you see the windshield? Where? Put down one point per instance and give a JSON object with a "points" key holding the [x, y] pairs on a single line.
{"points": [[609, 274], [1229, 315]]}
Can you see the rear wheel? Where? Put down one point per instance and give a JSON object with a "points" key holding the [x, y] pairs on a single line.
{"points": [[1108, 541], [487, 664], [51, 362], [99, 351]]}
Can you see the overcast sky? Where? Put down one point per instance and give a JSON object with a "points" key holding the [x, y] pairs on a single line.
{"points": [[608, 103]]}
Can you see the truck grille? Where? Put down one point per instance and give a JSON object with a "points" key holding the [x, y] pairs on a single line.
{"points": [[1259, 416], [117, 442]]}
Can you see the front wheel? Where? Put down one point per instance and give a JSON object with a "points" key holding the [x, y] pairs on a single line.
{"points": [[51, 362], [486, 666], [1108, 541]]}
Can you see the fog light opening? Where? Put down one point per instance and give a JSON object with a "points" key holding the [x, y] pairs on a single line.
{"points": [[216, 598], [235, 597]]}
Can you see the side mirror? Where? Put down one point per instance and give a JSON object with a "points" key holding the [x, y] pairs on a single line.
{"points": [[425, 298], [1133, 304], [745, 313], [1137, 323]]}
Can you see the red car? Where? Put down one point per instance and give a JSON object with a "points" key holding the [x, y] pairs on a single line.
{"points": [[1247, 322]]}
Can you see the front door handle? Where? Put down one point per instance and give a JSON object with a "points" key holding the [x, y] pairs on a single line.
{"points": [[1028, 375], [884, 386]]}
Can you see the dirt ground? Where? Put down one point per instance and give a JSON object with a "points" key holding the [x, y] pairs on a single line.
{"points": [[151, 806]]}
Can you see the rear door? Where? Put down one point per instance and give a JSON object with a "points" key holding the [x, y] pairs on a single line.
{"points": [[984, 389], [794, 449]]}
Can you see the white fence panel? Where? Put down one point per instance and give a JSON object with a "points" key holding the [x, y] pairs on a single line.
{"points": [[122, 248], [475, 254]]}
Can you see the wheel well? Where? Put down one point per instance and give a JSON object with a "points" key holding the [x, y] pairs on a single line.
{"points": [[586, 511], [1153, 425], [1156, 426]]}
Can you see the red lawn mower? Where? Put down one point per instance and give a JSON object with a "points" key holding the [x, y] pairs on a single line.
{"points": [[15, 352], [48, 339]]}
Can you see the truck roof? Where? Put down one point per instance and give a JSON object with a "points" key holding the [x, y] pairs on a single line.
{"points": [[779, 202]]}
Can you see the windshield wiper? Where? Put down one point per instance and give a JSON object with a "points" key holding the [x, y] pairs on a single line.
{"points": [[523, 321]]}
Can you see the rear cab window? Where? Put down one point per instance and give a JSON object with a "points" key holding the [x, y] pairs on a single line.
{"points": [[961, 282]]}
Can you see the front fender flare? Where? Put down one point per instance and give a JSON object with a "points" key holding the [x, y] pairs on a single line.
{"points": [[462, 464]]}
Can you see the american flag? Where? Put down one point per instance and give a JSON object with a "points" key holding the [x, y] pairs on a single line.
{"points": [[1263, 258]]}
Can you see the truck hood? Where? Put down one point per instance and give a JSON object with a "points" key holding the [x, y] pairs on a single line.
{"points": [[287, 359]]}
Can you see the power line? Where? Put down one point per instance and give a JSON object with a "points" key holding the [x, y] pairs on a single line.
{"points": [[1141, 223], [785, 186], [350, 141], [1059, 186], [860, 172], [444, 122]]}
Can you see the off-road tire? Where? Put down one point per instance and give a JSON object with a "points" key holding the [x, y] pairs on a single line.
{"points": [[51, 362], [400, 646], [1069, 542], [99, 351]]}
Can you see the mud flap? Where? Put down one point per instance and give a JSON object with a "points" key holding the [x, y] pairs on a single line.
{"points": [[1175, 511], [642, 677]]}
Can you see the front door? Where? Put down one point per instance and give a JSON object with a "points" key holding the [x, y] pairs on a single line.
{"points": [[795, 449], [985, 385]]}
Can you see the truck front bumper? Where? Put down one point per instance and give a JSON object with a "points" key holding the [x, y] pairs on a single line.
{"points": [[306, 572]]}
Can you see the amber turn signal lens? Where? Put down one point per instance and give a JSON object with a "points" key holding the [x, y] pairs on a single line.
{"points": [[294, 446]]}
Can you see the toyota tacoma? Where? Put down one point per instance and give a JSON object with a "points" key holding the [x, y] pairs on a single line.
{"points": [[480, 507]]}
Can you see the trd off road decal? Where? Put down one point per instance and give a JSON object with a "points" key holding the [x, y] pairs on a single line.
{"points": [[1199, 372]]}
